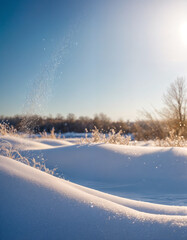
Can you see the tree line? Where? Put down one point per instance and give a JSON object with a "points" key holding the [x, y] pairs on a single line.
{"points": [[36, 123]]}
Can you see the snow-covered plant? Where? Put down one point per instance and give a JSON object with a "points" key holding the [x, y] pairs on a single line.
{"points": [[86, 134], [51, 135], [6, 129], [118, 138], [172, 140], [96, 135], [43, 134], [112, 137], [59, 135], [42, 167], [8, 151]]}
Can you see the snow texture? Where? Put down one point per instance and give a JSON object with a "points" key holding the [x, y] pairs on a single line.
{"points": [[36, 205]]}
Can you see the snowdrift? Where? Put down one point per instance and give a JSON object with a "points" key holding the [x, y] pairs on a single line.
{"points": [[35, 205], [134, 168], [20, 143]]}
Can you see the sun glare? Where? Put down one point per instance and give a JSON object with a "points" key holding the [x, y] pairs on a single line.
{"points": [[183, 32]]}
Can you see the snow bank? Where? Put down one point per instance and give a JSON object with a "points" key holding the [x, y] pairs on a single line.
{"points": [[35, 205], [20, 143], [53, 142], [151, 169]]}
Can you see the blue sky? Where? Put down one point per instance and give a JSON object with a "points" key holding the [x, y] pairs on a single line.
{"points": [[86, 57]]}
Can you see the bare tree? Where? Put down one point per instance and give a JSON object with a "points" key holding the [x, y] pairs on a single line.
{"points": [[175, 110]]}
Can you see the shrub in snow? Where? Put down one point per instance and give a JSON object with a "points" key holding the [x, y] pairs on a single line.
{"points": [[112, 137], [8, 151], [118, 138], [43, 134], [51, 135], [6, 129], [172, 140]]}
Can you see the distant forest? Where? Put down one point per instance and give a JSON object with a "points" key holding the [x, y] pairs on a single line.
{"points": [[140, 129], [70, 123]]}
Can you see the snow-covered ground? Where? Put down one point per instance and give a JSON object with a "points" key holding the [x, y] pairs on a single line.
{"points": [[36, 205]]}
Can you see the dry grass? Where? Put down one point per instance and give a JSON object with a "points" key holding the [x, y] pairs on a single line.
{"points": [[52, 134], [112, 137], [6, 129], [8, 151], [172, 140]]}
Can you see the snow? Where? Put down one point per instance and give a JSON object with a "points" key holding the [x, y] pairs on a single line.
{"points": [[53, 142], [36, 205], [19, 143], [155, 169]]}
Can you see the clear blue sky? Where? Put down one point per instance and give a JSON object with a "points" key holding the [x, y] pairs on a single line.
{"points": [[86, 57]]}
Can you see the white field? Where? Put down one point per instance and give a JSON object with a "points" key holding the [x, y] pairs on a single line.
{"points": [[36, 205]]}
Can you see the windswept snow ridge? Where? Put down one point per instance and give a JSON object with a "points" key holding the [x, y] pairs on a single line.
{"points": [[36, 205], [19, 143], [148, 169]]}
